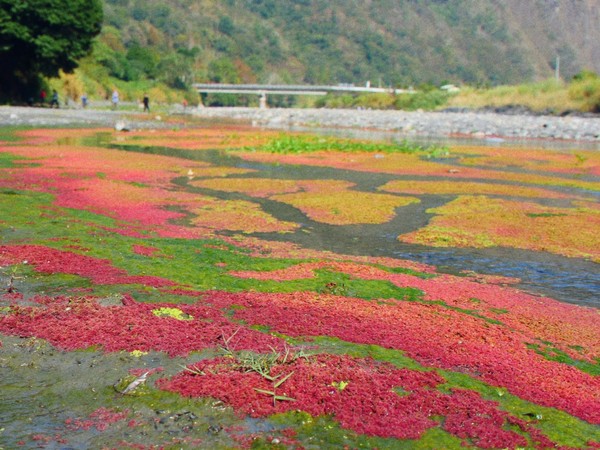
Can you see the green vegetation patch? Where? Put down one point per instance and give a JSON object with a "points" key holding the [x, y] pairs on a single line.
{"points": [[324, 432], [551, 353], [288, 143]]}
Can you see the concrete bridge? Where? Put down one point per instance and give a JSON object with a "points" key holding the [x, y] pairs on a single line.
{"points": [[290, 89]]}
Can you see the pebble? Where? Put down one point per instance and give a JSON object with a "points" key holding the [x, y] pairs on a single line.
{"points": [[468, 124]]}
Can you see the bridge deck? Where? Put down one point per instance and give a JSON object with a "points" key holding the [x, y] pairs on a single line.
{"points": [[288, 89]]}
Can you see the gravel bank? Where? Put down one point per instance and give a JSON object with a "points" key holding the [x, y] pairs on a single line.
{"points": [[409, 124], [434, 124], [47, 117]]}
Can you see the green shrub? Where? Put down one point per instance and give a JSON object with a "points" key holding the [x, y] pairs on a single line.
{"points": [[585, 88]]}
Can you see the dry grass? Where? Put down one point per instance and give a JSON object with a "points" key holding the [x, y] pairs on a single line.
{"points": [[546, 95]]}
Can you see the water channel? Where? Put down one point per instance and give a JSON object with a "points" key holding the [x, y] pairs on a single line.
{"points": [[570, 280]]}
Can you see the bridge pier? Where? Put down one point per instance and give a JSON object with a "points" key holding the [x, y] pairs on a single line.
{"points": [[263, 100]]}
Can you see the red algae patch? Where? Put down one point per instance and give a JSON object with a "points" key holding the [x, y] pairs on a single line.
{"points": [[327, 201], [543, 319], [491, 352], [370, 398], [260, 248], [266, 187], [80, 323], [307, 270], [222, 137], [42, 136], [51, 261], [215, 171], [145, 250], [413, 165], [392, 163], [478, 221], [446, 347]]}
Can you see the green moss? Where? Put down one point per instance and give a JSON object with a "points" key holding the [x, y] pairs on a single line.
{"points": [[534, 215], [7, 160], [338, 346], [324, 432], [551, 353], [470, 312]]}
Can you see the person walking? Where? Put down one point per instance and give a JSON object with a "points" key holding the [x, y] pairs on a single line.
{"points": [[115, 99], [146, 102], [54, 101]]}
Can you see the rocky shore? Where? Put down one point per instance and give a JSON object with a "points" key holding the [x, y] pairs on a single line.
{"points": [[424, 124], [409, 124]]}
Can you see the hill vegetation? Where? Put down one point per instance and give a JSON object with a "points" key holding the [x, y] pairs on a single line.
{"points": [[164, 46], [316, 41]]}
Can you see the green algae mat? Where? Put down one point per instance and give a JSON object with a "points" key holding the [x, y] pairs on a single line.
{"points": [[155, 293]]}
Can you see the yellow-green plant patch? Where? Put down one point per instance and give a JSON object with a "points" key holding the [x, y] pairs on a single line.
{"points": [[451, 187], [239, 215], [479, 221], [223, 137], [574, 161], [174, 313], [345, 207]]}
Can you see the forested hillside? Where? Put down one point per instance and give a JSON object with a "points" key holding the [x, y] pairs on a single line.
{"points": [[386, 42]]}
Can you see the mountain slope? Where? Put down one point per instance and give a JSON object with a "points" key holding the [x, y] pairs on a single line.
{"points": [[388, 42]]}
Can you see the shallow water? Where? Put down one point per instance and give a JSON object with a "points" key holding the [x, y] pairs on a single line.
{"points": [[449, 141]]}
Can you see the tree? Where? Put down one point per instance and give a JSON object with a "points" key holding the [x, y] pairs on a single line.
{"points": [[40, 37]]}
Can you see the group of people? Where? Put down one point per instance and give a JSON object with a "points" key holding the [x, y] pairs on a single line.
{"points": [[115, 101], [54, 101]]}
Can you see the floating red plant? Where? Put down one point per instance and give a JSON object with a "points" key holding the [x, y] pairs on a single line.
{"points": [[494, 353], [49, 260], [363, 395], [72, 324], [145, 250], [543, 319], [100, 419]]}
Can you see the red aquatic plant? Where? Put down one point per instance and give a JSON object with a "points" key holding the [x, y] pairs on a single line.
{"points": [[51, 261], [100, 419], [541, 318], [145, 250], [363, 395], [433, 335], [79, 323]]}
